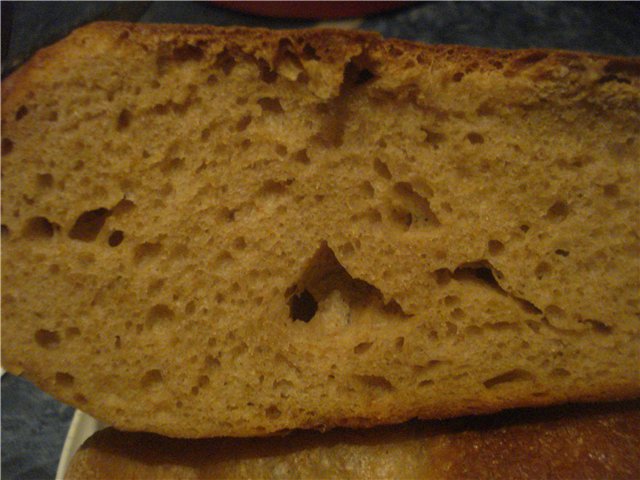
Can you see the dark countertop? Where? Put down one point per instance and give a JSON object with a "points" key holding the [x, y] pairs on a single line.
{"points": [[33, 424]]}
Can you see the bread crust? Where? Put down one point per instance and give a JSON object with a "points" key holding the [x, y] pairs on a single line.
{"points": [[550, 442]]}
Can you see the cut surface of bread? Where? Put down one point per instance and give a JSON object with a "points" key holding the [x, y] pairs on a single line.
{"points": [[235, 232], [577, 442]]}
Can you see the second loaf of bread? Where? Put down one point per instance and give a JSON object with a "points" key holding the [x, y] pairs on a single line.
{"points": [[234, 232]]}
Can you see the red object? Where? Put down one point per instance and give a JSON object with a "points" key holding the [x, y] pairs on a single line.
{"points": [[312, 10]]}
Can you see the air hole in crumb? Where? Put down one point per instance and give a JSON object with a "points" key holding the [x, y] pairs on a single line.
{"points": [[515, 375], [187, 52], [367, 189], [269, 104], [611, 190], [64, 379], [151, 378], [457, 76], [118, 342], [425, 383], [381, 169], [44, 180], [225, 61], [558, 211], [38, 228], [275, 187], [452, 329], [227, 214], [243, 123], [458, 313], [495, 247], [416, 206], [157, 314], [211, 362], [303, 306], [145, 251], [72, 332], [7, 146], [433, 138], [240, 243], [561, 252], [116, 238], [302, 157], [485, 109], [309, 52], [155, 286], [375, 381], [443, 276], [362, 347], [451, 300], [267, 74], [122, 207], [21, 112], [542, 270], [281, 150], [598, 326], [190, 308], [171, 165], [559, 372], [528, 307], [399, 343], [203, 381], [88, 225], [401, 216], [47, 339], [272, 412], [81, 399], [475, 138], [124, 120], [473, 330], [524, 228], [5, 231]]}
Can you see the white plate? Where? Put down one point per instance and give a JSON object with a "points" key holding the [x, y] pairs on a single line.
{"points": [[82, 427]]}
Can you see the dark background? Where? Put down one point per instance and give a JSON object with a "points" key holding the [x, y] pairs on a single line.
{"points": [[33, 424]]}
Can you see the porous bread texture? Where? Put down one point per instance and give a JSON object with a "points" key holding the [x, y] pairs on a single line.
{"points": [[234, 232], [577, 442]]}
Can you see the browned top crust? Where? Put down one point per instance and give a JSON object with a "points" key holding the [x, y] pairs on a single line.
{"points": [[332, 46]]}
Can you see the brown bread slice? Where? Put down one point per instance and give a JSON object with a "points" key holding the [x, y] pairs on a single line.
{"points": [[233, 232], [577, 442]]}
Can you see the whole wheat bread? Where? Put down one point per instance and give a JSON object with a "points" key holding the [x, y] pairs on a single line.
{"points": [[233, 232], [570, 442]]}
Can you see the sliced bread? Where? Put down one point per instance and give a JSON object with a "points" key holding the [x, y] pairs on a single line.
{"points": [[234, 232]]}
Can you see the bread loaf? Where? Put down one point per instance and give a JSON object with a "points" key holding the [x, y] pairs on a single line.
{"points": [[235, 232], [563, 443]]}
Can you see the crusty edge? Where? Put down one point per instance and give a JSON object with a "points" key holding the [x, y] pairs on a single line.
{"points": [[331, 45]]}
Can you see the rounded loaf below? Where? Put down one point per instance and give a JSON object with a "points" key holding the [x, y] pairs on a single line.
{"points": [[585, 442], [235, 232]]}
